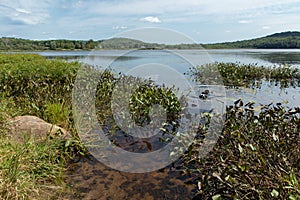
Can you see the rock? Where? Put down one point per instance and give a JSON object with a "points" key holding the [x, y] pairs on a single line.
{"points": [[203, 96], [205, 92], [35, 127]]}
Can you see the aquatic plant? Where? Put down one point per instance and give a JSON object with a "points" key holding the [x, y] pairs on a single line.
{"points": [[256, 157], [248, 75]]}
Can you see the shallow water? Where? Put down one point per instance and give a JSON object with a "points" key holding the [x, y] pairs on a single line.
{"points": [[93, 180]]}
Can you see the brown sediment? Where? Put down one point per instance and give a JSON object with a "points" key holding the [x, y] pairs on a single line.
{"points": [[93, 180]]}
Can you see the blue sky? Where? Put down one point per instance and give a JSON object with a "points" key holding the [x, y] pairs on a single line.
{"points": [[205, 21]]}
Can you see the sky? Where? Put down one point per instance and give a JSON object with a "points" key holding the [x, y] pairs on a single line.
{"points": [[205, 21]]}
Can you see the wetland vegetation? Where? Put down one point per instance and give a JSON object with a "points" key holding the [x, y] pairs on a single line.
{"points": [[256, 157]]}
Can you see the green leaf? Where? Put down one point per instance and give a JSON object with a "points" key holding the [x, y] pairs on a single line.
{"points": [[293, 179], [34, 106], [292, 197], [240, 148], [216, 197], [68, 143], [274, 193]]}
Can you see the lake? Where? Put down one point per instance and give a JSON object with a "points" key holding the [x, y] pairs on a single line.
{"points": [[248, 56], [181, 60]]}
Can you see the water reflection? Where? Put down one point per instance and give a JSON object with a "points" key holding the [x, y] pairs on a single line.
{"points": [[291, 58], [246, 56], [266, 57]]}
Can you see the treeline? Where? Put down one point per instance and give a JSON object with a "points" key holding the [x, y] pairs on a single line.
{"points": [[16, 44], [7, 44], [285, 40]]}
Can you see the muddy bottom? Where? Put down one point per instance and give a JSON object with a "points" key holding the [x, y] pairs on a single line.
{"points": [[93, 180]]}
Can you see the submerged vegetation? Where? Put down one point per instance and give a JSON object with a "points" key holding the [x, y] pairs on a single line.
{"points": [[257, 155]]}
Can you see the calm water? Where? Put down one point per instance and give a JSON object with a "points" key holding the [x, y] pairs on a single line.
{"points": [[261, 56], [93, 180], [128, 62]]}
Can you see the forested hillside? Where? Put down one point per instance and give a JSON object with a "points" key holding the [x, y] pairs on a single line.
{"points": [[285, 40]]}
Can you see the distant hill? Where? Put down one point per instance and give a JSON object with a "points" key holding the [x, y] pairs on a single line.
{"points": [[285, 34], [284, 40], [125, 43], [121, 43]]}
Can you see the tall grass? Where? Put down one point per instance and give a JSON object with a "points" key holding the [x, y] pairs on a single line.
{"points": [[30, 169]]}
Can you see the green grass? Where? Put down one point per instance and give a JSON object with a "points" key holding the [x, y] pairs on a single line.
{"points": [[34, 82], [30, 169], [30, 84]]}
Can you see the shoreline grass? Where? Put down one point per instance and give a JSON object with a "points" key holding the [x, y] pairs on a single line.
{"points": [[30, 169]]}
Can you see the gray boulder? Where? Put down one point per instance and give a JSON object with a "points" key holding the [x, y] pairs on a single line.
{"points": [[35, 127]]}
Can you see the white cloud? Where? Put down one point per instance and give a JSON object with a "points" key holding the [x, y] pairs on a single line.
{"points": [[154, 7], [245, 21], [101, 19], [23, 11], [151, 19], [120, 27], [29, 12]]}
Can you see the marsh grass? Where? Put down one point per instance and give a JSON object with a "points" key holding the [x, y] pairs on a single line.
{"points": [[32, 85], [30, 169], [249, 75], [34, 82]]}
